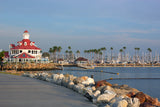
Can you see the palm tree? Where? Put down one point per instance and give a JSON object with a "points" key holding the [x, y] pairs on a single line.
{"points": [[135, 54], [121, 50], [67, 54], [69, 47], [103, 49], [54, 52], [78, 53], [150, 52], [59, 50], [111, 52], [138, 53], [124, 48], [50, 51]]}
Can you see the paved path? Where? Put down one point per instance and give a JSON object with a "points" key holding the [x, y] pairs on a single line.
{"points": [[17, 91]]}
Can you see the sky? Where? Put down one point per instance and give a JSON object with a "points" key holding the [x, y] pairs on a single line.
{"points": [[82, 24]]}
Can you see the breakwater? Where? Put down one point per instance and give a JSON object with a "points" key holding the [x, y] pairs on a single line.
{"points": [[30, 66], [101, 93]]}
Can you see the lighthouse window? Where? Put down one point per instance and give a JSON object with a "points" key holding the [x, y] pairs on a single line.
{"points": [[32, 51], [29, 51], [25, 43], [20, 51]]}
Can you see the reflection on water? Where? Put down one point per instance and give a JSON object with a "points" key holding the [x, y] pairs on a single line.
{"points": [[148, 86]]}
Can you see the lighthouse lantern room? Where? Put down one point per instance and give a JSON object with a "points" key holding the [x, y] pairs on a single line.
{"points": [[25, 51]]}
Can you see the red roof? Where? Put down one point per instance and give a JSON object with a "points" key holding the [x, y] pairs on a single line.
{"points": [[25, 44], [25, 31], [24, 55], [81, 59]]}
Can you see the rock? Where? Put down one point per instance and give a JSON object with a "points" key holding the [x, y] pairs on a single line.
{"points": [[141, 97], [132, 102], [121, 103], [152, 101], [55, 77], [96, 94], [106, 97], [70, 85], [115, 99], [93, 88], [80, 88], [102, 83], [131, 94], [145, 104], [87, 95], [89, 81], [48, 79], [103, 88], [78, 80], [84, 78], [61, 76], [31, 75], [65, 82]]}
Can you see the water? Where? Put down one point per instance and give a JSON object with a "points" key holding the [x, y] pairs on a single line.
{"points": [[150, 85]]}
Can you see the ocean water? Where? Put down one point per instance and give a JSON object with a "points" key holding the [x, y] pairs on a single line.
{"points": [[146, 79]]}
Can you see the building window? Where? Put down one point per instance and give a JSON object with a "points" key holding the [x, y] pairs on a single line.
{"points": [[25, 43], [32, 51], [20, 51], [29, 51]]}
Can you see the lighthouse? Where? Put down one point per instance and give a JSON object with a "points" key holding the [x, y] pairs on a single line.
{"points": [[25, 51]]}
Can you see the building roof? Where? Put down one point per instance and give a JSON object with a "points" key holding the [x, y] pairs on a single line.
{"points": [[81, 59], [24, 55], [26, 31], [25, 44]]}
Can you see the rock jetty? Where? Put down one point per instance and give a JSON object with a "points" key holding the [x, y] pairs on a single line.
{"points": [[101, 93], [30, 66]]}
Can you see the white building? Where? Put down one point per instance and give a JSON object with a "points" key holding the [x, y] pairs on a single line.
{"points": [[26, 50]]}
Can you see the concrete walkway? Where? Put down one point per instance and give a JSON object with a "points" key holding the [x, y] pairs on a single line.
{"points": [[17, 91]]}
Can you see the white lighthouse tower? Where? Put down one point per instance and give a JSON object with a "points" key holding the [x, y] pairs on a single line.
{"points": [[26, 35]]}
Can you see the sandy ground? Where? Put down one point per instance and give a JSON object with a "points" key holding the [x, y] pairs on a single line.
{"points": [[17, 91]]}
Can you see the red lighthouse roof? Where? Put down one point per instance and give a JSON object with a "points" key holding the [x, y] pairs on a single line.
{"points": [[26, 31]]}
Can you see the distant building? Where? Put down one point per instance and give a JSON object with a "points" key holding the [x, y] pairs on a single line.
{"points": [[81, 60], [25, 51]]}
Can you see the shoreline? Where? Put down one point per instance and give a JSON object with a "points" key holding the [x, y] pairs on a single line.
{"points": [[54, 66], [101, 92]]}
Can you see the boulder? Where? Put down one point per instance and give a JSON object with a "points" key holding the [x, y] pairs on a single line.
{"points": [[132, 102], [70, 84], [106, 97], [120, 103], [131, 94], [141, 97], [89, 81], [102, 83], [152, 101], [55, 77], [89, 96], [65, 82], [96, 94], [93, 88], [78, 80], [61, 76], [145, 104], [84, 78]]}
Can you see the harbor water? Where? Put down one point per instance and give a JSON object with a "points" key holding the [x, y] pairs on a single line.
{"points": [[145, 79]]}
